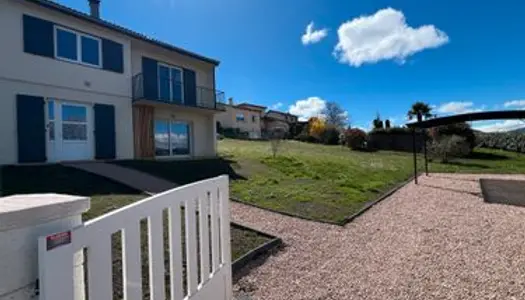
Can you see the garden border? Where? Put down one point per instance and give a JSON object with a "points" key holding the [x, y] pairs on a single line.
{"points": [[347, 219], [247, 257]]}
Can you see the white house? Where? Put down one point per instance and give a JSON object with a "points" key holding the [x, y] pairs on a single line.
{"points": [[76, 87]]}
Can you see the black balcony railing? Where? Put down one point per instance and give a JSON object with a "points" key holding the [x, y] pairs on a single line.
{"points": [[172, 91]]}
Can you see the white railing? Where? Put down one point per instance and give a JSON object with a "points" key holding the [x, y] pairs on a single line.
{"points": [[197, 214]]}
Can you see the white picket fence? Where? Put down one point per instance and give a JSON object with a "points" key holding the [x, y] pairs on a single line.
{"points": [[207, 233]]}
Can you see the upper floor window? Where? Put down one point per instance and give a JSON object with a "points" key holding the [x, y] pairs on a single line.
{"points": [[254, 119], [240, 117], [171, 86], [77, 47]]}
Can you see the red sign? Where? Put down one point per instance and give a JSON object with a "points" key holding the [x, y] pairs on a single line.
{"points": [[58, 239]]}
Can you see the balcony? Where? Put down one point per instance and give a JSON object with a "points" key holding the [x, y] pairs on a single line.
{"points": [[170, 91]]}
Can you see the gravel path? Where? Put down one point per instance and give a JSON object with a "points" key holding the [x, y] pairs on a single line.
{"points": [[438, 240]]}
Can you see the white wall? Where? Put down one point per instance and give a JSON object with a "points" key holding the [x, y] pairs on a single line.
{"points": [[8, 131], [28, 74], [16, 64], [203, 136], [204, 71]]}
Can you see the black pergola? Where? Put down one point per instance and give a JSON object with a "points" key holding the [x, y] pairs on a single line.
{"points": [[476, 116]]}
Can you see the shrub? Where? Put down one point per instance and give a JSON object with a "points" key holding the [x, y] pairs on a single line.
{"points": [[459, 129], [449, 147], [355, 138], [330, 136]]}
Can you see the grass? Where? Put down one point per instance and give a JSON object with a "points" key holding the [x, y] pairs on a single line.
{"points": [[329, 183], [106, 196], [326, 183]]}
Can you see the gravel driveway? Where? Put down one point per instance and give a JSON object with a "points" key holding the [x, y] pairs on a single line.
{"points": [[437, 240]]}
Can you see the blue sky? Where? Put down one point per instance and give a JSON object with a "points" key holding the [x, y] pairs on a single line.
{"points": [[370, 56]]}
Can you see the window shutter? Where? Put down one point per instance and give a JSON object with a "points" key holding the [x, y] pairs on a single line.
{"points": [[31, 130], [150, 82], [105, 141], [190, 88], [38, 36], [112, 56]]}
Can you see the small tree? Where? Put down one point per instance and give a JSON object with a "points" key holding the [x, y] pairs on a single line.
{"points": [[276, 138], [448, 147], [316, 127], [387, 124]]}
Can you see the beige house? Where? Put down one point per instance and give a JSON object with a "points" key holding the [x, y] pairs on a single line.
{"points": [[277, 120], [245, 117], [76, 87]]}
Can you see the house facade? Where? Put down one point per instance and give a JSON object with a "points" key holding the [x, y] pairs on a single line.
{"points": [[245, 117], [277, 120], [75, 87]]}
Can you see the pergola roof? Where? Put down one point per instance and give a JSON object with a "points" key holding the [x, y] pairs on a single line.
{"points": [[475, 116]]}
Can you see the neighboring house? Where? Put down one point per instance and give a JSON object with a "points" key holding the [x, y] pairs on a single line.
{"points": [[245, 117], [277, 120], [75, 87]]}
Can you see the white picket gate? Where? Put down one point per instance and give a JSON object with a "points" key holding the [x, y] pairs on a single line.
{"points": [[208, 237]]}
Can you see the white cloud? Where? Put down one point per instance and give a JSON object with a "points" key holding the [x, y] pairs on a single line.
{"points": [[501, 126], [312, 36], [277, 105], [382, 36], [519, 103], [306, 108], [458, 108]]}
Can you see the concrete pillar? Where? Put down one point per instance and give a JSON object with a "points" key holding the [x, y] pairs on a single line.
{"points": [[23, 219]]}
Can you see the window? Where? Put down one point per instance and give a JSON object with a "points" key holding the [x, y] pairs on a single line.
{"points": [[74, 123], [240, 117], [254, 119], [77, 47], [172, 138], [170, 84]]}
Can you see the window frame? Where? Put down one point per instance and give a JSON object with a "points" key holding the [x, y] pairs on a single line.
{"points": [[240, 120], [78, 36], [170, 149], [170, 67]]}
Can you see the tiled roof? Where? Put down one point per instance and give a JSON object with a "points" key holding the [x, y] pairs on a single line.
{"points": [[86, 17]]}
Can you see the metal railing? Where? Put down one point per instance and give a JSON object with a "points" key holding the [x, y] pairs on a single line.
{"points": [[172, 91]]}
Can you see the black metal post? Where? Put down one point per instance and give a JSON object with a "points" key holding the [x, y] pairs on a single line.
{"points": [[425, 151], [415, 156]]}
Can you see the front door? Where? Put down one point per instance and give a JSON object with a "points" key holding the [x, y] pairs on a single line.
{"points": [[69, 131]]}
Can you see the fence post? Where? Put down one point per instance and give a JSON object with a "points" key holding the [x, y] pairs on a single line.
{"points": [[23, 219]]}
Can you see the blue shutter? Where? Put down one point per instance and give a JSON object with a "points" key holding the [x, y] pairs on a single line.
{"points": [[190, 88], [31, 131], [105, 141], [38, 36], [150, 82], [112, 56]]}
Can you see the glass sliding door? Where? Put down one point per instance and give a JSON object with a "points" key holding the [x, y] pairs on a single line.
{"points": [[162, 147], [172, 138], [170, 84], [180, 138]]}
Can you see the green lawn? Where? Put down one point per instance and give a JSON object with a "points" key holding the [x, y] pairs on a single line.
{"points": [[320, 182], [331, 182]]}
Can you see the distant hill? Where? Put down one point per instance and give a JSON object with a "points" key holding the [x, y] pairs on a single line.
{"points": [[519, 130]]}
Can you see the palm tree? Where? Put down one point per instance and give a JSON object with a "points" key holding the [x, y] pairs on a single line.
{"points": [[419, 110]]}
